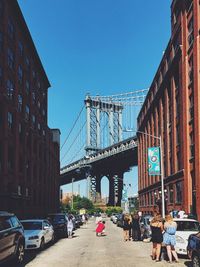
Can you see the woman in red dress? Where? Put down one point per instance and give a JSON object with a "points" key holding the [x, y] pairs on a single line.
{"points": [[100, 228]]}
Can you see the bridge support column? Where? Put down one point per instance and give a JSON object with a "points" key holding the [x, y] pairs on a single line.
{"points": [[98, 188], [120, 188], [111, 191]]}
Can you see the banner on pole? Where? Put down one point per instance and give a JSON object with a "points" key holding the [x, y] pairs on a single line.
{"points": [[154, 161]]}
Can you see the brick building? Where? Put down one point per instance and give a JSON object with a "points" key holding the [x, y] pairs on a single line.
{"points": [[29, 150], [172, 110]]}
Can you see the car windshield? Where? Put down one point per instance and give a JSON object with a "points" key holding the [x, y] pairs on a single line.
{"points": [[187, 226], [32, 225], [57, 218]]}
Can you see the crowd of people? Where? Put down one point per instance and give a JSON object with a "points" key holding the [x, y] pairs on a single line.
{"points": [[162, 233], [162, 237]]}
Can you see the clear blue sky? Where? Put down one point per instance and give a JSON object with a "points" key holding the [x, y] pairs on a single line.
{"points": [[97, 46]]}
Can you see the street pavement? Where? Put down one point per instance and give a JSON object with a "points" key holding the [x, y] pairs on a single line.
{"points": [[87, 250]]}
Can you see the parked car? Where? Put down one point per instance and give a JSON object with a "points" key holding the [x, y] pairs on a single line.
{"points": [[12, 240], [193, 249], [119, 222], [115, 218], [59, 222], [185, 227], [37, 233], [145, 226], [112, 216], [78, 221]]}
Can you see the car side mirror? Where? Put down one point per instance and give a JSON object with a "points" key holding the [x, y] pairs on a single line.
{"points": [[46, 227]]}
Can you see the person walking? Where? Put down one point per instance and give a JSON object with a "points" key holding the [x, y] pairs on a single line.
{"points": [[126, 226], [136, 233], [70, 226], [169, 238], [156, 237]]}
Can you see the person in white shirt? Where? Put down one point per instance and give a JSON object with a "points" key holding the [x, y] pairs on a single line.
{"points": [[181, 214]]}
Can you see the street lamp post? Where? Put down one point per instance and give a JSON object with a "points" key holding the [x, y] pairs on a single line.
{"points": [[72, 207], [161, 170]]}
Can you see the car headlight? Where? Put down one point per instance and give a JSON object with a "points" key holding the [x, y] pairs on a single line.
{"points": [[33, 237], [179, 239]]}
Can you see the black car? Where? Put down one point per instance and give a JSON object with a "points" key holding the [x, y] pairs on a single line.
{"points": [[59, 222], [12, 240], [193, 249]]}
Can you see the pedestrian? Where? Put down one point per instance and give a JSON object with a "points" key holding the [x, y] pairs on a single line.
{"points": [[70, 225], [181, 214], [126, 226], [83, 219], [100, 228], [130, 227], [136, 233], [156, 237], [169, 238]]}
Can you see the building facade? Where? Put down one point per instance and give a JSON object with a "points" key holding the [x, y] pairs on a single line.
{"points": [[29, 150], [172, 110]]}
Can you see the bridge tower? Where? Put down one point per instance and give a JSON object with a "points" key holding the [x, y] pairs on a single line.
{"points": [[95, 110]]}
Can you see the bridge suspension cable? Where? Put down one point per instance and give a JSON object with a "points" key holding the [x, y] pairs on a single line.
{"points": [[131, 98], [73, 126]]}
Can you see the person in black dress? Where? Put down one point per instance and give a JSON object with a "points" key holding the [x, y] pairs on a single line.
{"points": [[156, 236]]}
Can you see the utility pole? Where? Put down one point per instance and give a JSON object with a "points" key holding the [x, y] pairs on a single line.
{"points": [[72, 206]]}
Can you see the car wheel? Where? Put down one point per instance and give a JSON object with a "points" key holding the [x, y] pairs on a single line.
{"points": [[42, 244], [195, 261], [65, 232], [53, 238], [19, 253]]}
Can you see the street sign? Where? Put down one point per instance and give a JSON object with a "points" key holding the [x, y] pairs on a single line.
{"points": [[154, 161]]}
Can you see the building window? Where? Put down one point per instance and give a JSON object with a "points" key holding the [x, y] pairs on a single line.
{"points": [[27, 87], [1, 7], [38, 104], [1, 75], [10, 120], [21, 49], [33, 97], [19, 103], [179, 192], [20, 128], [43, 112], [171, 193], [33, 120], [10, 158], [34, 74], [1, 41], [10, 29], [20, 74], [190, 33], [10, 89], [39, 126], [19, 190], [27, 62], [10, 58], [27, 112]]}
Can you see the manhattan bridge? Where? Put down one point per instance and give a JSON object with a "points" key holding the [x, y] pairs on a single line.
{"points": [[103, 142]]}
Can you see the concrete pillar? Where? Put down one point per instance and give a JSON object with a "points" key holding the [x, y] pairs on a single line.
{"points": [[111, 191], [120, 188]]}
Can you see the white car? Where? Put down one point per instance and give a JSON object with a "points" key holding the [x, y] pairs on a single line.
{"points": [[185, 227], [37, 233]]}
